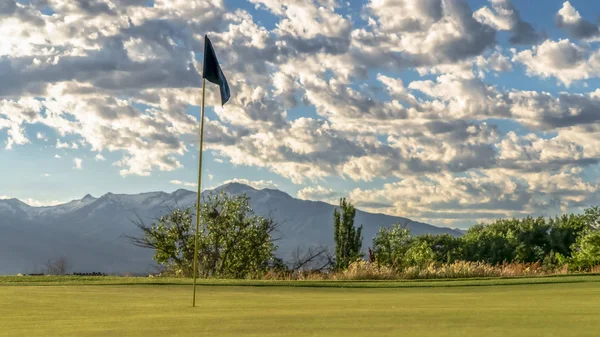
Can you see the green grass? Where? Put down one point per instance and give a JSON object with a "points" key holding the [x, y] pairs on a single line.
{"points": [[79, 280], [560, 306]]}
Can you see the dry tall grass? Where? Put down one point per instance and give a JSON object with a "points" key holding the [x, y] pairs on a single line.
{"points": [[363, 270]]}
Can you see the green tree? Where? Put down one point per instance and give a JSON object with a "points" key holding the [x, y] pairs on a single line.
{"points": [[564, 231], [489, 243], [592, 216], [446, 248], [586, 251], [419, 254], [233, 242], [390, 246], [348, 239], [172, 238]]}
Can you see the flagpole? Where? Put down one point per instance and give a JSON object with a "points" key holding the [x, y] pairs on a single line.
{"points": [[199, 192]]}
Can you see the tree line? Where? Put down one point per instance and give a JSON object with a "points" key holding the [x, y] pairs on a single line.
{"points": [[234, 242]]}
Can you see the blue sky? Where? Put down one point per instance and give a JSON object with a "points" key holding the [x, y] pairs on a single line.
{"points": [[449, 112]]}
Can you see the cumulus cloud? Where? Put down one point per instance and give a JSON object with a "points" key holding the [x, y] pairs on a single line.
{"points": [[78, 163], [318, 193], [257, 184], [317, 95], [504, 16], [481, 196], [183, 183], [425, 32], [561, 59], [496, 62], [569, 19]]}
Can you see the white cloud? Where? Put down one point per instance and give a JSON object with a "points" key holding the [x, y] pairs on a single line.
{"points": [[561, 59], [570, 20], [504, 16], [78, 163], [57, 156], [110, 76], [306, 19], [496, 62], [318, 193], [479, 196], [41, 203], [257, 184], [66, 145], [100, 157], [183, 183], [34, 202]]}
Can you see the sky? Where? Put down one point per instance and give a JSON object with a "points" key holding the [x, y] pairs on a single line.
{"points": [[450, 112]]}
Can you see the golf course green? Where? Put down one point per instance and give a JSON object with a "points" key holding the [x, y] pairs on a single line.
{"points": [[562, 306]]}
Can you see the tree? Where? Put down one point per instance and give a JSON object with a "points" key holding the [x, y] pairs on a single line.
{"points": [[565, 229], [390, 246], [586, 252], [508, 240], [419, 254], [233, 242], [348, 239], [592, 216], [172, 238], [59, 266], [314, 259], [446, 248]]}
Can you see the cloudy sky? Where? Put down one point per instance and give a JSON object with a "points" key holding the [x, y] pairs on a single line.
{"points": [[445, 111]]}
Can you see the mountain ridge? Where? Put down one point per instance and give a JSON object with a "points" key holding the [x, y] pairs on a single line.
{"points": [[90, 231]]}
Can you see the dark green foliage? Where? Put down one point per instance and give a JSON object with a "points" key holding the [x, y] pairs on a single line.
{"points": [[348, 239], [445, 247], [571, 239], [523, 240], [395, 247], [172, 238], [232, 243], [565, 230]]}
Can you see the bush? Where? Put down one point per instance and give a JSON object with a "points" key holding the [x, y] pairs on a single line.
{"points": [[233, 242], [586, 252]]}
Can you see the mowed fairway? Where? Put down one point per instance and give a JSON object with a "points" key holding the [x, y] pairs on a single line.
{"points": [[562, 309]]}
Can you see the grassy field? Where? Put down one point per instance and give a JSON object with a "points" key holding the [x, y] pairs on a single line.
{"points": [[47, 306]]}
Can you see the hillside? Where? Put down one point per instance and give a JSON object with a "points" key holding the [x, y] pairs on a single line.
{"points": [[90, 231]]}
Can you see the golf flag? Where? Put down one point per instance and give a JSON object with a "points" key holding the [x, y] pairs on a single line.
{"points": [[212, 71]]}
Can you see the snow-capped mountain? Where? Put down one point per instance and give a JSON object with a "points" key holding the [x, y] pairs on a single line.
{"points": [[89, 232]]}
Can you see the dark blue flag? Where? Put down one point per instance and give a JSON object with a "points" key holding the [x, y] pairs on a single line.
{"points": [[212, 71]]}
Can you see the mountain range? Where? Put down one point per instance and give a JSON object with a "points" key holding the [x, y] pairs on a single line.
{"points": [[89, 231]]}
